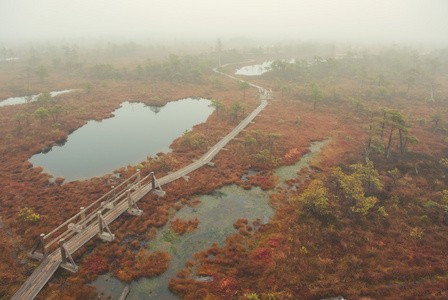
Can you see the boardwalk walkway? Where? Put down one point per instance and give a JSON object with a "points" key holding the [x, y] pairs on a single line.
{"points": [[50, 264]]}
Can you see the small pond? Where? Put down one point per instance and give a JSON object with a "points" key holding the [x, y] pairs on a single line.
{"points": [[23, 100], [135, 132], [217, 212], [255, 70], [258, 69]]}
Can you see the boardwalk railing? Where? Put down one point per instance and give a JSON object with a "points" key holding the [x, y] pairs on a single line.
{"points": [[121, 199], [88, 215]]}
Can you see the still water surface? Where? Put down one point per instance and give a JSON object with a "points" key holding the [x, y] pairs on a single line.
{"points": [[135, 132], [217, 213], [255, 70], [22, 100], [259, 69]]}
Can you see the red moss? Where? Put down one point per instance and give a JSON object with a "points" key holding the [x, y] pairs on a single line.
{"points": [[240, 223], [59, 180], [96, 264], [150, 265], [265, 182], [340, 260], [263, 254], [228, 287], [244, 232], [183, 273], [178, 206], [195, 202], [135, 244], [180, 226], [214, 250], [184, 287], [293, 155], [189, 263], [275, 242]]}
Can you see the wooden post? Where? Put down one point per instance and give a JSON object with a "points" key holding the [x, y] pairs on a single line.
{"points": [[159, 192], [42, 240], [79, 227], [128, 196], [63, 253], [70, 266], [105, 236], [110, 204], [139, 177], [83, 213], [37, 255], [131, 209], [100, 222], [153, 181]]}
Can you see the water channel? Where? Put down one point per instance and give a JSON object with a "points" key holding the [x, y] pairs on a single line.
{"points": [[217, 213], [135, 132], [23, 100]]}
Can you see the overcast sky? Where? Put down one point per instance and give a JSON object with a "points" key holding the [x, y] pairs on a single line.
{"points": [[397, 21]]}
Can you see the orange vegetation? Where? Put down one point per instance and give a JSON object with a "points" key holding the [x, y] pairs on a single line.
{"points": [[396, 250], [180, 226]]}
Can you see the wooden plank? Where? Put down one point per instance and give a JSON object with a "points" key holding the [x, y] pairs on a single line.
{"points": [[39, 278], [125, 292]]}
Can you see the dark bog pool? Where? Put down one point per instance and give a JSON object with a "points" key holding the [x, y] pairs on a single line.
{"points": [[135, 132]]}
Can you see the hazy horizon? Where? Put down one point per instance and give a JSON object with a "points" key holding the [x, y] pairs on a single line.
{"points": [[346, 21]]}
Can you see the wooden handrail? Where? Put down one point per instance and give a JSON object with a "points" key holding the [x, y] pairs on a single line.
{"points": [[92, 215], [88, 207]]}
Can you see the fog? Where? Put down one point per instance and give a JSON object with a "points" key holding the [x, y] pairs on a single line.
{"points": [[377, 21]]}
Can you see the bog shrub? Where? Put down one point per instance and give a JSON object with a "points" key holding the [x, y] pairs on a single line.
{"points": [[28, 216]]}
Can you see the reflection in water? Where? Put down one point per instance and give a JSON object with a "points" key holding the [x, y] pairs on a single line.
{"points": [[155, 109], [129, 137]]}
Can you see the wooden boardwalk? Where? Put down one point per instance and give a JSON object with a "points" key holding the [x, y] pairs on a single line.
{"points": [[114, 206]]}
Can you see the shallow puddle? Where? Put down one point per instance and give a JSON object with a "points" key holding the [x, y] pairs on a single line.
{"points": [[290, 172]]}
